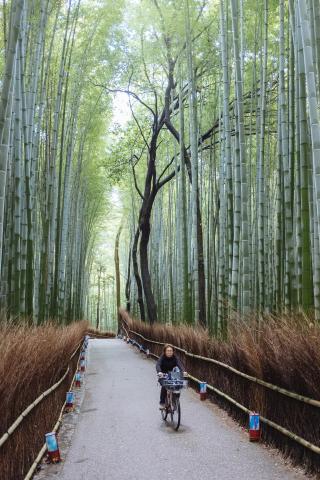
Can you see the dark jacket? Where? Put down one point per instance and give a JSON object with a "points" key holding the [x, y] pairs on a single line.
{"points": [[166, 364]]}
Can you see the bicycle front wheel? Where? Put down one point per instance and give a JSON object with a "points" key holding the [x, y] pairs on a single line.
{"points": [[164, 413], [175, 411]]}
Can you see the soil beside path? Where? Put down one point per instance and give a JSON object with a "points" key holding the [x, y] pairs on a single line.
{"points": [[120, 435]]}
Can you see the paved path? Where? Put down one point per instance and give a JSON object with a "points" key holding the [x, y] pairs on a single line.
{"points": [[120, 435]]}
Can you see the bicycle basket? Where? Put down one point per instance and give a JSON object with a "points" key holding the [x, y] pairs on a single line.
{"points": [[176, 384]]}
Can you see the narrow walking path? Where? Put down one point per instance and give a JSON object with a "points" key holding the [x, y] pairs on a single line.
{"points": [[120, 435]]}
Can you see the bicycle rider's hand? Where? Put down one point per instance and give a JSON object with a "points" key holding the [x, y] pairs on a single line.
{"points": [[185, 374]]}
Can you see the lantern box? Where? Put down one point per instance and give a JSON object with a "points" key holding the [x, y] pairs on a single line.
{"points": [[254, 427], [82, 365], [203, 391], [78, 380], [69, 401], [53, 447]]}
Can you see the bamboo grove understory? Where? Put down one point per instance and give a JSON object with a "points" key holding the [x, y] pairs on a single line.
{"points": [[224, 153]]}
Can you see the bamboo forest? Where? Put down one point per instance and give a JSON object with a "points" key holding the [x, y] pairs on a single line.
{"points": [[199, 120], [159, 200]]}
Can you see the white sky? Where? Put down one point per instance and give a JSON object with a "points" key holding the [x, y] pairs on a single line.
{"points": [[104, 253], [107, 235], [121, 109]]}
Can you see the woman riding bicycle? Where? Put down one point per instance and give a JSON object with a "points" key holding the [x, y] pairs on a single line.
{"points": [[165, 364]]}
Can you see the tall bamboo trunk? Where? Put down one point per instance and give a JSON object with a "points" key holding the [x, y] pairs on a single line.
{"points": [[117, 270]]}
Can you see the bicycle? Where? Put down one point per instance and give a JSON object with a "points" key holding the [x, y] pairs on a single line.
{"points": [[173, 384]]}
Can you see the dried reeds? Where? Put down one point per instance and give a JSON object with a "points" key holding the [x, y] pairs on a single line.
{"points": [[100, 334], [284, 351], [31, 360]]}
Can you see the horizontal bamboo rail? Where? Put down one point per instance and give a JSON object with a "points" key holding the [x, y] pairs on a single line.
{"points": [[101, 335], [55, 428], [44, 447], [36, 462], [274, 425], [25, 412], [275, 388], [284, 431]]}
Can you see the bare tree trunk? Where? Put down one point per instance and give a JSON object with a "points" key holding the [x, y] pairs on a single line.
{"points": [[137, 274]]}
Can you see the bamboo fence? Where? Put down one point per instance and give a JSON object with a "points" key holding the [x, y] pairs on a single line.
{"points": [[300, 398]]}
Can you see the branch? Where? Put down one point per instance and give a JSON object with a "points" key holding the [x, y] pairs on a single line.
{"points": [[138, 124], [166, 168], [128, 92], [176, 135], [167, 114], [134, 176], [196, 36], [168, 178]]}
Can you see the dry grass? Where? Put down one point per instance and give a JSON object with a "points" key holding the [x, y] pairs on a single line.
{"points": [[283, 350], [100, 334], [32, 359]]}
